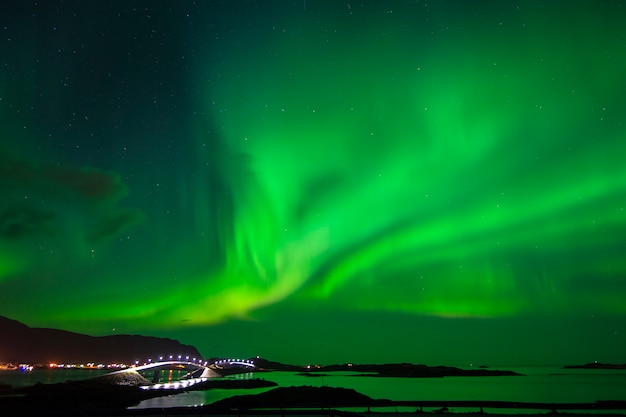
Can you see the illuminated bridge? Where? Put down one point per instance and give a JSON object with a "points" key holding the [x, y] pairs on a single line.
{"points": [[196, 371], [246, 363]]}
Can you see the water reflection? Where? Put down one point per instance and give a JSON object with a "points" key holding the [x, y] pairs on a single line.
{"points": [[244, 376], [199, 398], [184, 399], [538, 385]]}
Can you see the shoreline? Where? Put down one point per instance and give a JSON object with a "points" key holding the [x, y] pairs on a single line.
{"points": [[336, 412], [102, 396]]}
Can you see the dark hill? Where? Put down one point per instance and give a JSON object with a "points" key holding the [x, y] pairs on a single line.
{"points": [[23, 344], [265, 364], [303, 396]]}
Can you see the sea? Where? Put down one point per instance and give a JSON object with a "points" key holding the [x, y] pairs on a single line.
{"points": [[536, 384]]}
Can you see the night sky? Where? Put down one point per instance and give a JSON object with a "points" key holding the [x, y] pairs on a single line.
{"points": [[319, 181]]}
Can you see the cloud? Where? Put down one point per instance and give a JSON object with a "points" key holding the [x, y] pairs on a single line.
{"points": [[41, 201], [21, 221]]}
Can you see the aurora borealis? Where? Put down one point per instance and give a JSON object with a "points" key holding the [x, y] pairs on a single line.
{"points": [[319, 181]]}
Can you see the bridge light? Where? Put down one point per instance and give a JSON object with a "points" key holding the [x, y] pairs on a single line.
{"points": [[160, 358]]}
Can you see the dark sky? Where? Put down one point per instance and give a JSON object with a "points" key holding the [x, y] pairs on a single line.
{"points": [[319, 181]]}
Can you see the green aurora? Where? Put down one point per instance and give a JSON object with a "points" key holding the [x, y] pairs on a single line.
{"points": [[319, 181]]}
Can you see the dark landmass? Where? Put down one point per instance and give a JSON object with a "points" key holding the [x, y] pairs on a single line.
{"points": [[407, 370], [596, 365], [395, 370], [100, 395], [129, 378], [301, 397], [315, 399], [79, 398], [23, 344], [267, 365]]}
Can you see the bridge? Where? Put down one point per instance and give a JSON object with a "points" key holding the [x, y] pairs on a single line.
{"points": [[247, 363], [197, 371]]}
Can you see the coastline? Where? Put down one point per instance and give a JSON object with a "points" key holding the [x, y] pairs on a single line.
{"points": [[23, 405], [112, 397], [333, 412]]}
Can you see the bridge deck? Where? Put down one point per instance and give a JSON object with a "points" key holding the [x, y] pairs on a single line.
{"points": [[184, 383]]}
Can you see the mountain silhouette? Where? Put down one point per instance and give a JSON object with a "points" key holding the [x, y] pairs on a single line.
{"points": [[23, 344]]}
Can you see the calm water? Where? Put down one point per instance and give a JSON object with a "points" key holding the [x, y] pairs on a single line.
{"points": [[541, 384], [46, 376], [537, 385]]}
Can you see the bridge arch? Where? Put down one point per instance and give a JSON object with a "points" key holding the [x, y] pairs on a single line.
{"points": [[248, 363]]}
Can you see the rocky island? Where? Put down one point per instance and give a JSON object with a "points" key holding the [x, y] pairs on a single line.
{"points": [[596, 365], [395, 370]]}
